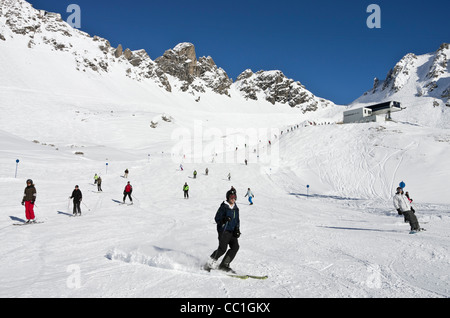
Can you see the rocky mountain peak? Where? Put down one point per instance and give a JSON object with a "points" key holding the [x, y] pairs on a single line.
{"points": [[275, 87], [181, 63]]}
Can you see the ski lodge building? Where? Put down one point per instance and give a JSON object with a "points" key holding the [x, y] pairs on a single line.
{"points": [[375, 113]]}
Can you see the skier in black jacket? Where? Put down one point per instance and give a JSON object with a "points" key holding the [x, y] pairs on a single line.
{"points": [[228, 229], [77, 196]]}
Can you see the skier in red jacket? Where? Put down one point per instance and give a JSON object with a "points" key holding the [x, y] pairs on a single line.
{"points": [[127, 192]]}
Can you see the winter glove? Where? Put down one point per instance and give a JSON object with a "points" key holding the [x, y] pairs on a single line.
{"points": [[237, 233], [23, 203], [226, 220], [399, 212]]}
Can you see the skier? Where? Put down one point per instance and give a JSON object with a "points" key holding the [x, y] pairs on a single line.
{"points": [[96, 178], [403, 207], [228, 229], [250, 196], [99, 184], [77, 196], [125, 173], [206, 171], [127, 192], [195, 174], [186, 190], [229, 176], [29, 197], [181, 167]]}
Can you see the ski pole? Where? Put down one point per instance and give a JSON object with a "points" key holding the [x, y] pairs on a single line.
{"points": [[86, 206]]}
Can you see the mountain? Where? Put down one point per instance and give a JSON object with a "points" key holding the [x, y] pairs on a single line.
{"points": [[178, 69], [421, 83]]}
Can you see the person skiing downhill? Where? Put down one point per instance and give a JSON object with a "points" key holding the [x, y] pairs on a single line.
{"points": [[186, 190], [127, 192], [99, 184], [77, 196], [228, 229], [29, 198], [250, 196], [403, 207]]}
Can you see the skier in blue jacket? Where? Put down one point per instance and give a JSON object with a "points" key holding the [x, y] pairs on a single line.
{"points": [[228, 229]]}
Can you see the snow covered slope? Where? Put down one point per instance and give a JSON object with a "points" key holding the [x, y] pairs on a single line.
{"points": [[69, 106], [343, 240]]}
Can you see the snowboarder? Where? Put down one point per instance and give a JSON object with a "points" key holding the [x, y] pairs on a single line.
{"points": [[29, 198], [127, 192], [195, 174], [403, 207], [125, 173], [186, 190], [228, 229], [99, 184], [77, 196], [250, 196]]}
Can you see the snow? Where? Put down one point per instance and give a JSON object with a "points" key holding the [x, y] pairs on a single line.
{"points": [[344, 240], [341, 237]]}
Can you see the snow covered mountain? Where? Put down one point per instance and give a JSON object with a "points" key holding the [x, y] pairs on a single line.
{"points": [[421, 83], [178, 68]]}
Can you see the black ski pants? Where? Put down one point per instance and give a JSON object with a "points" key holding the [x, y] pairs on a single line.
{"points": [[226, 239], [412, 219], [125, 194], [76, 207]]}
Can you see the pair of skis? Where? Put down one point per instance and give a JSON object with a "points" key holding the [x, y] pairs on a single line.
{"points": [[233, 274], [27, 223], [247, 276]]}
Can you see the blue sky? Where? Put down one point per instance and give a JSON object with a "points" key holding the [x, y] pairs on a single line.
{"points": [[326, 45]]}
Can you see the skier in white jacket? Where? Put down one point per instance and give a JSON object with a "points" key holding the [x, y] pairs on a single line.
{"points": [[403, 207]]}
